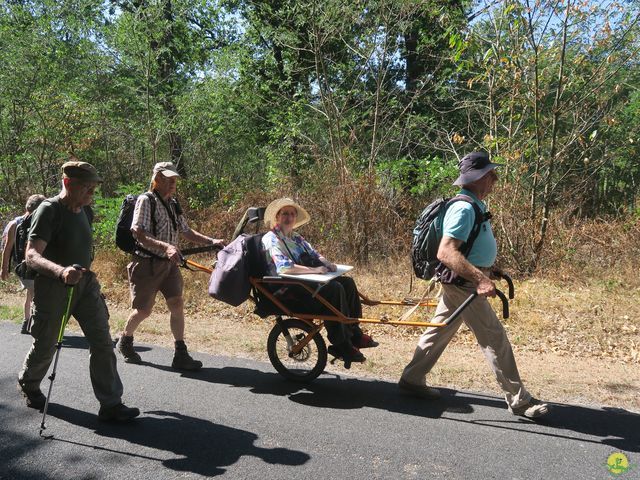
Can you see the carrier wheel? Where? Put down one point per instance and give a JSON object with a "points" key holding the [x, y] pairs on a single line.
{"points": [[306, 365]]}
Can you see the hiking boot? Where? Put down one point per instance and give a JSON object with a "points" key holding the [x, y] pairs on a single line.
{"points": [[33, 398], [532, 409], [352, 353], [24, 329], [182, 360], [119, 413], [348, 353], [125, 347], [419, 391]]}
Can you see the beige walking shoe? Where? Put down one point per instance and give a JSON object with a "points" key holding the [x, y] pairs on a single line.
{"points": [[420, 391], [533, 409]]}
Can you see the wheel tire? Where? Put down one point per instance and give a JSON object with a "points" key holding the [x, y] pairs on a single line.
{"points": [[308, 364]]}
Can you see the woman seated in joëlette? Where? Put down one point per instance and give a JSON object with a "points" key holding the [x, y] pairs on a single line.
{"points": [[290, 253]]}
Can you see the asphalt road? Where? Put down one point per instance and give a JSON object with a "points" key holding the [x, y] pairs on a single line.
{"points": [[240, 419]]}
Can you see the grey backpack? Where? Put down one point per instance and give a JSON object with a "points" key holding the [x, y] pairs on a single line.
{"points": [[241, 259]]}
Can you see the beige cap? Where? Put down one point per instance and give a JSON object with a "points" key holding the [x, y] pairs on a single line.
{"points": [[167, 169], [81, 171]]}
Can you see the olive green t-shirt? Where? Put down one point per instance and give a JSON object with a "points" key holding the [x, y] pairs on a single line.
{"points": [[68, 234]]}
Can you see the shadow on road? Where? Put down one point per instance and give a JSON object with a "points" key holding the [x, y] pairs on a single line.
{"points": [[617, 428], [81, 343], [204, 447]]}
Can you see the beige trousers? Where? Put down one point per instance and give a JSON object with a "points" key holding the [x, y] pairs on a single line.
{"points": [[489, 332]]}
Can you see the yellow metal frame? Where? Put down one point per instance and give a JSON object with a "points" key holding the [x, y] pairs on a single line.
{"points": [[260, 285]]}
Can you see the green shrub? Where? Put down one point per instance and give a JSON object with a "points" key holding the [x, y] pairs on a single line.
{"points": [[106, 214]]}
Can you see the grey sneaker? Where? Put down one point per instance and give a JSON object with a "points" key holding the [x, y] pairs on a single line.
{"points": [[125, 347], [33, 398], [533, 409], [182, 360], [420, 391], [118, 413]]}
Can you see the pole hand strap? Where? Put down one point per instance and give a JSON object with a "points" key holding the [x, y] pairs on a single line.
{"points": [[408, 313], [66, 314]]}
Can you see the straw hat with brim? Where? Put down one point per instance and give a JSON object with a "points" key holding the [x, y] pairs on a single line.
{"points": [[277, 205], [474, 166], [82, 171]]}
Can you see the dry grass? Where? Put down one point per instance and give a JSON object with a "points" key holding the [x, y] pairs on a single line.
{"points": [[575, 342]]}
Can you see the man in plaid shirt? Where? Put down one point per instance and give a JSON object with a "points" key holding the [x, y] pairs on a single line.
{"points": [[157, 225]]}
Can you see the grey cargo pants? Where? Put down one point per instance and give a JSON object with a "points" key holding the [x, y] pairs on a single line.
{"points": [[89, 309]]}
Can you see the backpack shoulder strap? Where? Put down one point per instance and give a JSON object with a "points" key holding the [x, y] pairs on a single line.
{"points": [[170, 212], [475, 231], [57, 217], [152, 198], [177, 206], [460, 197], [89, 213]]}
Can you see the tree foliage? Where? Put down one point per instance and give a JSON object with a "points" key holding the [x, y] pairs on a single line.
{"points": [[376, 100]]}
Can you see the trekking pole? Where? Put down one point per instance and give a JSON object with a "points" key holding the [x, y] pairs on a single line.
{"points": [[459, 310], [465, 304], [63, 324]]}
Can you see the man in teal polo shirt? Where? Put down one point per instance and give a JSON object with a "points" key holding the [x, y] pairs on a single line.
{"points": [[60, 238], [466, 275]]}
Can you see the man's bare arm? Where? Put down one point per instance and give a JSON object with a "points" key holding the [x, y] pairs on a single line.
{"points": [[450, 255], [197, 237], [149, 242], [37, 262], [6, 251]]}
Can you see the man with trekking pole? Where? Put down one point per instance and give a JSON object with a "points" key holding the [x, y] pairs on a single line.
{"points": [[463, 275], [60, 249]]}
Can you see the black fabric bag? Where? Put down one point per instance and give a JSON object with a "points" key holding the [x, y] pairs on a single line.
{"points": [[308, 260]]}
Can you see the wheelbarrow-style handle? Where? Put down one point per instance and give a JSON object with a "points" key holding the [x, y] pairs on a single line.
{"points": [[505, 303], [465, 304], [507, 279]]}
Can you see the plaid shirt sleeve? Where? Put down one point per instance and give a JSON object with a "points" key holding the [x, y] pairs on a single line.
{"points": [[142, 215], [182, 224]]}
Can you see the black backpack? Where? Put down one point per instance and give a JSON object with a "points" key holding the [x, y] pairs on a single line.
{"points": [[22, 236], [427, 235], [124, 237]]}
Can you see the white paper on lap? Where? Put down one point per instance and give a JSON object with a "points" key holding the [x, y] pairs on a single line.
{"points": [[320, 277]]}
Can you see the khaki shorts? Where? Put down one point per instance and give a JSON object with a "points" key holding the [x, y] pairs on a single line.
{"points": [[148, 276]]}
